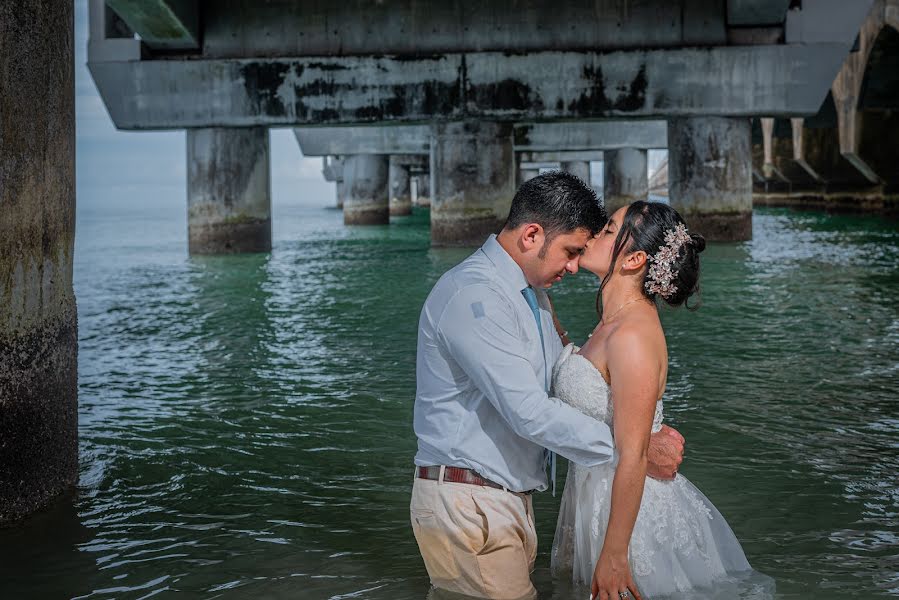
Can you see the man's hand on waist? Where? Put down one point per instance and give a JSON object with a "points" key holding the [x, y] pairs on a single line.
{"points": [[666, 453]]}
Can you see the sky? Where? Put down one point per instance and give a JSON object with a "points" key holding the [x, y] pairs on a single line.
{"points": [[125, 169]]}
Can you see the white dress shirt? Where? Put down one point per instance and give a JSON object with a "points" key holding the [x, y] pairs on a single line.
{"points": [[481, 376]]}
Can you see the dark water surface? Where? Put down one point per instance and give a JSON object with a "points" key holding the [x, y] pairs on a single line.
{"points": [[246, 421]]}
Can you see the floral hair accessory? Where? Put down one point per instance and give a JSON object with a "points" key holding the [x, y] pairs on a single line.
{"points": [[661, 276]]}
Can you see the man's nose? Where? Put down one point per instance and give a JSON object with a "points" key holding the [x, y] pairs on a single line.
{"points": [[572, 265]]}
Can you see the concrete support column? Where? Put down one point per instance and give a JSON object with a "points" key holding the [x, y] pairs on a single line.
{"points": [[400, 187], [710, 175], [473, 170], [527, 174], [340, 193], [768, 147], [581, 168], [332, 169], [423, 190], [625, 179], [38, 317], [366, 177], [229, 199]]}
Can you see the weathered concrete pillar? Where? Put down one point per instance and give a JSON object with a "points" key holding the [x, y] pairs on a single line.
{"points": [[625, 178], [229, 199], [400, 187], [473, 172], [581, 168], [423, 190], [38, 317], [527, 174], [332, 169], [710, 175], [366, 177], [340, 193]]}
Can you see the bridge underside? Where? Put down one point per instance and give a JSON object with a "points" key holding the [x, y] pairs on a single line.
{"points": [[497, 77]]}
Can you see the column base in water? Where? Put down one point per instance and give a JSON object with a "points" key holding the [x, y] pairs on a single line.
{"points": [[473, 171], [710, 175], [228, 190], [365, 179], [624, 178]]}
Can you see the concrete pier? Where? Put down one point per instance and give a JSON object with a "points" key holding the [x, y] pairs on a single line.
{"points": [[400, 187], [625, 178], [366, 184], [38, 317], [581, 168], [526, 174], [473, 172], [710, 175], [423, 189], [229, 200], [332, 169]]}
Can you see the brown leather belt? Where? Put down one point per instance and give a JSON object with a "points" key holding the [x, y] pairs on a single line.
{"points": [[460, 475]]}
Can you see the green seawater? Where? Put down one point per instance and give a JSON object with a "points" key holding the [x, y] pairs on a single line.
{"points": [[245, 421]]}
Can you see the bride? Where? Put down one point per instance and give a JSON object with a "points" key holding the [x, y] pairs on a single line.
{"points": [[650, 537]]}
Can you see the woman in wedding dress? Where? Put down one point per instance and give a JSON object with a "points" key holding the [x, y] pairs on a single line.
{"points": [[623, 533]]}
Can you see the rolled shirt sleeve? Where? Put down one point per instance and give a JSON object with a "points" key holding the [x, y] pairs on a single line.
{"points": [[481, 331]]}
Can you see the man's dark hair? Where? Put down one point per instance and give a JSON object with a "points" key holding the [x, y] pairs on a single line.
{"points": [[559, 202]]}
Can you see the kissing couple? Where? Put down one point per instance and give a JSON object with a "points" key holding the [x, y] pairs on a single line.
{"points": [[501, 391]]}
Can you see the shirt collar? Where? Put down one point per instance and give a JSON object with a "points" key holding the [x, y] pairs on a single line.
{"points": [[506, 267]]}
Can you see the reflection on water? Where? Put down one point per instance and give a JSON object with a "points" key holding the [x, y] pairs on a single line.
{"points": [[246, 421]]}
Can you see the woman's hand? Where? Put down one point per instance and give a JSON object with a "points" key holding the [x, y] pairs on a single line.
{"points": [[612, 578]]}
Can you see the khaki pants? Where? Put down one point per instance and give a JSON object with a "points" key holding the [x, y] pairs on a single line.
{"points": [[476, 541]]}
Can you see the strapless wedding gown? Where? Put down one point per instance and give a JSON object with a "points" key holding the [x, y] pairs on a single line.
{"points": [[680, 541]]}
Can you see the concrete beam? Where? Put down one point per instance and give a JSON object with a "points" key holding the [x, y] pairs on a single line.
{"points": [[416, 27], [757, 13], [547, 142], [560, 156], [602, 135], [536, 166], [109, 39], [161, 24], [401, 139], [734, 80]]}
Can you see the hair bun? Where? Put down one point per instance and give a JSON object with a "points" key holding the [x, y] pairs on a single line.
{"points": [[697, 241]]}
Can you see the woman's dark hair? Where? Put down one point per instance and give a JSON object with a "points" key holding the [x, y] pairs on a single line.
{"points": [[560, 202], [643, 228]]}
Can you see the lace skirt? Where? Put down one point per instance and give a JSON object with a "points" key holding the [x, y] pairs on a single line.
{"points": [[680, 542]]}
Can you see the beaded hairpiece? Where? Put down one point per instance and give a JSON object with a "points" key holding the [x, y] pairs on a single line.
{"points": [[661, 276]]}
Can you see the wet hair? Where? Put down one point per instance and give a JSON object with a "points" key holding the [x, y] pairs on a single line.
{"points": [[559, 202], [643, 228]]}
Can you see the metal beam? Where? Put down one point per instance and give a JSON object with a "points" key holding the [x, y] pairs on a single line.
{"points": [[736, 81], [161, 24]]}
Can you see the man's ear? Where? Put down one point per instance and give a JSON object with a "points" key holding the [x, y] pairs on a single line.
{"points": [[532, 236], [634, 261]]}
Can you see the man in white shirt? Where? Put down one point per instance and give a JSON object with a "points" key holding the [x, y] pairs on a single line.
{"points": [[485, 423]]}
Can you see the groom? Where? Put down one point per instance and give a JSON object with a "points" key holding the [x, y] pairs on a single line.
{"points": [[485, 424]]}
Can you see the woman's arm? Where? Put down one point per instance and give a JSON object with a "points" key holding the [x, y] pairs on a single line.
{"points": [[634, 371]]}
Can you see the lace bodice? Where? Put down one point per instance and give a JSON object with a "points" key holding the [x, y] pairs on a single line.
{"points": [[578, 383]]}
